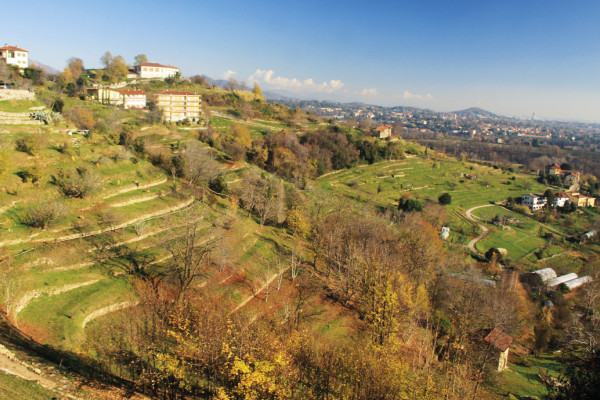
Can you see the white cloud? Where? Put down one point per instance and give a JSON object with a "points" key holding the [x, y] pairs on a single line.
{"points": [[369, 92], [294, 84], [413, 96], [228, 74]]}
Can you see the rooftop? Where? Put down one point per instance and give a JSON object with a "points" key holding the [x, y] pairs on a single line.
{"points": [[13, 48], [499, 339], [151, 64]]}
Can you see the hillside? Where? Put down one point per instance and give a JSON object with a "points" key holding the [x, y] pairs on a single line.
{"points": [[261, 253]]}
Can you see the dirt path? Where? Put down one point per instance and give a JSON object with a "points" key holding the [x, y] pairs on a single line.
{"points": [[133, 188], [106, 310], [259, 291], [485, 230], [13, 366]]}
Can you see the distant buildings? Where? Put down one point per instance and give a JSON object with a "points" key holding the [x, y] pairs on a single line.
{"points": [[178, 106], [15, 56], [149, 70]]}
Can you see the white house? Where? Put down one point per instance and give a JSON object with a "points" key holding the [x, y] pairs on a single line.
{"points": [[155, 70], [15, 56], [133, 98], [560, 199], [534, 201]]}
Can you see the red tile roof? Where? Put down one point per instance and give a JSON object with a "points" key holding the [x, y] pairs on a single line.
{"points": [[149, 64], [13, 48], [178, 93], [499, 339], [383, 127], [131, 92]]}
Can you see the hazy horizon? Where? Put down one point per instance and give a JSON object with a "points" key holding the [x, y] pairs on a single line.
{"points": [[511, 58]]}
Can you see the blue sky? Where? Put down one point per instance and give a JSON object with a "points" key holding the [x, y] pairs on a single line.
{"points": [[510, 57]]}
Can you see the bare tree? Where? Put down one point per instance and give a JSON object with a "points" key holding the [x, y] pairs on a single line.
{"points": [[190, 251], [200, 164]]}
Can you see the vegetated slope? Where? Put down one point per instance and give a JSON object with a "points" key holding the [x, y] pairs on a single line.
{"points": [[191, 268], [474, 111]]}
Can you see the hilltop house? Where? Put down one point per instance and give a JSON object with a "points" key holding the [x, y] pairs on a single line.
{"points": [[178, 106], [15, 56], [534, 201], [500, 343], [150, 70], [385, 131]]}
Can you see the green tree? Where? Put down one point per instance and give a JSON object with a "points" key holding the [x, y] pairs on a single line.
{"points": [[445, 199], [140, 59]]}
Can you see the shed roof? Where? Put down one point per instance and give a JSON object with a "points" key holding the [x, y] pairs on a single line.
{"points": [[499, 339]]}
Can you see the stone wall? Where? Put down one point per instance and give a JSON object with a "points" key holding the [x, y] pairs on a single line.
{"points": [[16, 94], [17, 118]]}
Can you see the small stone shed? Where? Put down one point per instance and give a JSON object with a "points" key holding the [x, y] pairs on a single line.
{"points": [[500, 342]]}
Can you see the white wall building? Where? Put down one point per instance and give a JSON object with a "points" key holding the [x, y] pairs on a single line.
{"points": [[133, 98], [560, 199], [534, 201], [15, 56], [154, 70]]}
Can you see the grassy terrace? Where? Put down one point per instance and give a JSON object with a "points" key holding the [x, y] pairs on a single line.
{"points": [[19, 106]]}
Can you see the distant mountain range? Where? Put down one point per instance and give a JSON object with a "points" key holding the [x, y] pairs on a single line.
{"points": [[49, 70]]}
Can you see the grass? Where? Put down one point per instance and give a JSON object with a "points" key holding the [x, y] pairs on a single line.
{"points": [[12, 387], [19, 106], [523, 380]]}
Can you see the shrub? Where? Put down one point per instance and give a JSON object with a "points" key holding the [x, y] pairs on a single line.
{"points": [[31, 174], [445, 199], [79, 183], [43, 214], [31, 144]]}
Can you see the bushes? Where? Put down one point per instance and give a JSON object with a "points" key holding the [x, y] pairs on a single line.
{"points": [[77, 184], [43, 214], [445, 199], [31, 144]]}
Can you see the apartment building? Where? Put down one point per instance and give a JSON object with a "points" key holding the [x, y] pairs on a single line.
{"points": [[15, 56], [178, 106]]}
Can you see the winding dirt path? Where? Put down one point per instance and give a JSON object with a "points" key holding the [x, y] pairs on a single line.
{"points": [[484, 229], [133, 188]]}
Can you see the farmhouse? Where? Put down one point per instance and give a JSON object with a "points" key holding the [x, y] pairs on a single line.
{"points": [[534, 201], [500, 342], [155, 70], [15, 56], [385, 131]]}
